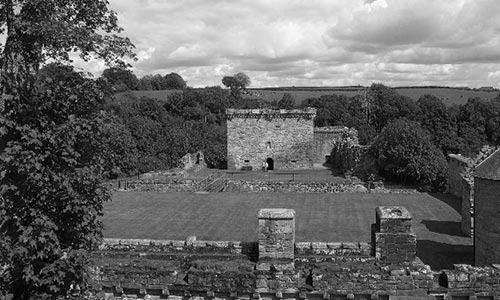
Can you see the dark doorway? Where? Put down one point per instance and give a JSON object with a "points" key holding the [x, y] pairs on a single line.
{"points": [[270, 163]]}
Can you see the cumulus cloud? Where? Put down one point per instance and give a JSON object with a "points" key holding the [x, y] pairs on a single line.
{"points": [[316, 42]]}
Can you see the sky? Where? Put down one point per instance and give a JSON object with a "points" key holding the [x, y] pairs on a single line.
{"points": [[316, 42]]}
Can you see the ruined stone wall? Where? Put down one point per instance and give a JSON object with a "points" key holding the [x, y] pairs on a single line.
{"points": [[487, 233], [325, 139], [285, 136], [461, 185]]}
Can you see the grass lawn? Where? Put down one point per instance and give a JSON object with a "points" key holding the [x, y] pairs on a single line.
{"points": [[233, 216], [319, 217]]}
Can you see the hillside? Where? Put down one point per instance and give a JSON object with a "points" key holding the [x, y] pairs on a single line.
{"points": [[449, 95]]}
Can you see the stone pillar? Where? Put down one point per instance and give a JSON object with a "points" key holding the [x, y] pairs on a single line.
{"points": [[276, 234], [394, 240], [275, 269]]}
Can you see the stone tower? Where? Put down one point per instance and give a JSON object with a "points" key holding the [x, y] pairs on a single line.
{"points": [[487, 211], [282, 138]]}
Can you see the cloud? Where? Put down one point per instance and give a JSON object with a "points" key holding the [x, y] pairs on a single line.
{"points": [[316, 42]]}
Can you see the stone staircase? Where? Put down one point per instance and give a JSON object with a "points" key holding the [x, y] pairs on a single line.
{"points": [[212, 184]]}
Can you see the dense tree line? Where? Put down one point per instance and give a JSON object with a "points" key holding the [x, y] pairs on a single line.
{"points": [[122, 79], [384, 117]]}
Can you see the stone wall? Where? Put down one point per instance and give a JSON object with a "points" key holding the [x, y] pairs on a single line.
{"points": [[325, 139], [283, 136], [198, 270], [487, 233], [461, 185], [311, 187]]}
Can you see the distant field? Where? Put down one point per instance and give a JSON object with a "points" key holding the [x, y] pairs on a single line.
{"points": [[449, 96], [298, 96]]}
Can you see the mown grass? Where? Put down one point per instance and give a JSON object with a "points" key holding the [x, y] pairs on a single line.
{"points": [[319, 217], [232, 216]]}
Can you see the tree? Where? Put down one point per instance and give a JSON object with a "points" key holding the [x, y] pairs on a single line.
{"points": [[158, 82], [51, 191], [405, 152], [119, 147], [388, 105], [236, 83], [145, 83], [435, 118], [121, 79], [174, 81]]}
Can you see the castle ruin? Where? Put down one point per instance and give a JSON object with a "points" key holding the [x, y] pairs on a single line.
{"points": [[282, 138], [285, 139]]}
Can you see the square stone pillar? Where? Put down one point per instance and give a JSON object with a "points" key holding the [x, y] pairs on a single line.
{"points": [[393, 237], [276, 234]]}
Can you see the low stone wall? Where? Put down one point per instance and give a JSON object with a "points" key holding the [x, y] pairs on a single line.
{"points": [[171, 185], [293, 187], [309, 187]]}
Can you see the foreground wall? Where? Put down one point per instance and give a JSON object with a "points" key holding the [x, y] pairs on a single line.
{"points": [[275, 267], [284, 138]]}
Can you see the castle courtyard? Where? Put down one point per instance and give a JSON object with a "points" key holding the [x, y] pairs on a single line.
{"points": [[340, 217]]}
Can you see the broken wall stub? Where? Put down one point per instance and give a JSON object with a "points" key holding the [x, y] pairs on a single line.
{"points": [[327, 138], [283, 138], [393, 237]]}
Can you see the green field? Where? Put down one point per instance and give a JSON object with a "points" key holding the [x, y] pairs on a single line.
{"points": [[449, 96], [320, 217]]}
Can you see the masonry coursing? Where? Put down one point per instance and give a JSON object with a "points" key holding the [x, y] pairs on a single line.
{"points": [[283, 138]]}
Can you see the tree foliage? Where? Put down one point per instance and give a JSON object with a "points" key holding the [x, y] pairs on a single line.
{"points": [[434, 117], [405, 152], [236, 83], [121, 79], [386, 105], [51, 191], [174, 81]]}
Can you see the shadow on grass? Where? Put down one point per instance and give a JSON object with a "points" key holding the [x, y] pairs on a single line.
{"points": [[442, 256], [445, 227], [452, 201]]}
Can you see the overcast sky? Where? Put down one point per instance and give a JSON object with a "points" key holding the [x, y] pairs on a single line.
{"points": [[316, 42]]}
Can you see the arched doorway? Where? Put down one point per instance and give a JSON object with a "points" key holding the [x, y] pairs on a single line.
{"points": [[270, 163]]}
